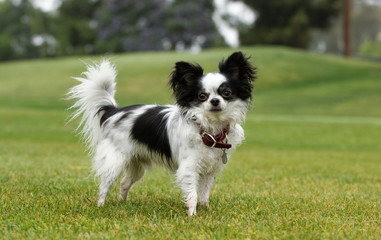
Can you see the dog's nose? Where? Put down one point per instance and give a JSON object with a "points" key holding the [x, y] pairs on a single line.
{"points": [[215, 102]]}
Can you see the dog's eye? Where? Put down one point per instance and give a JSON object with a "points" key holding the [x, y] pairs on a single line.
{"points": [[202, 97], [226, 93]]}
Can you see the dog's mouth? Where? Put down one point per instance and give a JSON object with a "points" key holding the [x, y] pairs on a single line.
{"points": [[215, 109]]}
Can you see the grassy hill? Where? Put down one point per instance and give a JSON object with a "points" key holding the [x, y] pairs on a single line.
{"points": [[290, 81], [309, 167]]}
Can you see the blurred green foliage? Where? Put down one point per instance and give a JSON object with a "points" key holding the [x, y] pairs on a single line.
{"points": [[371, 49], [100, 26], [288, 22], [19, 25]]}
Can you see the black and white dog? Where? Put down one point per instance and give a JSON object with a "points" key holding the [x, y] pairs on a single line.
{"points": [[193, 138]]}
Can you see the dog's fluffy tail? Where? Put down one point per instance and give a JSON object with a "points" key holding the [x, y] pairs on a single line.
{"points": [[95, 91]]}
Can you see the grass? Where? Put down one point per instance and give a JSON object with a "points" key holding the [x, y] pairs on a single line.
{"points": [[309, 169]]}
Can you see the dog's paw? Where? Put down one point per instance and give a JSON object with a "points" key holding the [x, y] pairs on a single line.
{"points": [[192, 204], [101, 202], [205, 204], [122, 198], [191, 211]]}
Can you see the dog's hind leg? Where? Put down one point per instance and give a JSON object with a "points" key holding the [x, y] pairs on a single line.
{"points": [[104, 188], [108, 165], [134, 172]]}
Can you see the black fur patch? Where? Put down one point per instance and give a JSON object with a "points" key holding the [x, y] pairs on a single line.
{"points": [[223, 87], [185, 83], [240, 73], [150, 128], [111, 111]]}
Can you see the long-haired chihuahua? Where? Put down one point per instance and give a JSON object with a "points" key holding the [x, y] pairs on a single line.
{"points": [[193, 138]]}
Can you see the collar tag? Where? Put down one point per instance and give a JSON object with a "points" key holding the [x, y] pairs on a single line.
{"points": [[224, 156]]}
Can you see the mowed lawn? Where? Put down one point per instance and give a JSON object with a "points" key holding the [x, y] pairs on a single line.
{"points": [[310, 167]]}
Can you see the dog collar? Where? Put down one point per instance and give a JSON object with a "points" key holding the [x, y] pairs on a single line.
{"points": [[215, 141]]}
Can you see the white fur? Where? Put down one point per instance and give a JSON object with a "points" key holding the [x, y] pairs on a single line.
{"points": [[116, 152], [97, 89], [211, 82]]}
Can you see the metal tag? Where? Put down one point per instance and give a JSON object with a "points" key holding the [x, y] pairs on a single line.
{"points": [[224, 157]]}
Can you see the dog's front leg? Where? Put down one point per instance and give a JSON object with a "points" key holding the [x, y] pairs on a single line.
{"points": [[187, 178], [206, 184]]}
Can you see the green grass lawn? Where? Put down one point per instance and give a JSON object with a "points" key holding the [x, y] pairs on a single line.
{"points": [[310, 167]]}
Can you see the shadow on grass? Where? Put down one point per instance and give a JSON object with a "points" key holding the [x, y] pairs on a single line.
{"points": [[154, 206]]}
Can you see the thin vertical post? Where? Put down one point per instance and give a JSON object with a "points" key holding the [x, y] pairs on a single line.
{"points": [[347, 28]]}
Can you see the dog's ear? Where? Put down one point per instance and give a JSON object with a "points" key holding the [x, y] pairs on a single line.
{"points": [[184, 78], [185, 75], [238, 69]]}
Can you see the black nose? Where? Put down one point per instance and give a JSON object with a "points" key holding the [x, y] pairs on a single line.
{"points": [[215, 102]]}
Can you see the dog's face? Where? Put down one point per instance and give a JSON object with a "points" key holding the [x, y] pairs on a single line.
{"points": [[216, 94]]}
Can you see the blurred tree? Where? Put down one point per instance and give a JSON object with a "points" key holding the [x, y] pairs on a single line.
{"points": [[365, 32], [190, 24], [130, 25], [19, 26], [366, 29], [75, 30], [98, 26], [288, 22]]}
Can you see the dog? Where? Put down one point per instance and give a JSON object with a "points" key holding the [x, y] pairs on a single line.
{"points": [[194, 138]]}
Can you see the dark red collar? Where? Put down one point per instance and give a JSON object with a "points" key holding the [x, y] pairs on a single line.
{"points": [[215, 141]]}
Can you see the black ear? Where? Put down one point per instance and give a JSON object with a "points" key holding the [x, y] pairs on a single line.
{"points": [[185, 74], [238, 69], [184, 80]]}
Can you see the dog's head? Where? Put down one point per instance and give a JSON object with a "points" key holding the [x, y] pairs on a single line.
{"points": [[217, 95]]}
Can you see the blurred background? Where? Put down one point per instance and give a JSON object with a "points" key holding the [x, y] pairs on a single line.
{"points": [[53, 28]]}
